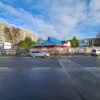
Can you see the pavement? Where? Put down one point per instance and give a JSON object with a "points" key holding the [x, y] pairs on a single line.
{"points": [[55, 78]]}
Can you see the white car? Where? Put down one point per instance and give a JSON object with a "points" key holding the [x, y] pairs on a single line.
{"points": [[95, 52], [39, 54]]}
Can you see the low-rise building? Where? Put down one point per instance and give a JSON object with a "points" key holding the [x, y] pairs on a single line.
{"points": [[97, 39], [5, 45], [52, 46], [88, 42], [97, 42]]}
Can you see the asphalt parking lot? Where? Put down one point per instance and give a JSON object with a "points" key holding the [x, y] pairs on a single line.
{"points": [[59, 78]]}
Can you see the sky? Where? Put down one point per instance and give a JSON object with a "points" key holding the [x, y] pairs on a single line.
{"points": [[57, 18]]}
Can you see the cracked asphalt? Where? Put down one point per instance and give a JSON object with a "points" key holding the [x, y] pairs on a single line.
{"points": [[59, 78]]}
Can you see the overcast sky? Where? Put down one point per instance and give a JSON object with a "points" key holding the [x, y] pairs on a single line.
{"points": [[58, 18]]}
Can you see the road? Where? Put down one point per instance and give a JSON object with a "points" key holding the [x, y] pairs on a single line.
{"points": [[60, 78]]}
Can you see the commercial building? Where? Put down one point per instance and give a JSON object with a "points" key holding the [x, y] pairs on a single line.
{"points": [[97, 42], [88, 42], [52, 46], [97, 39]]}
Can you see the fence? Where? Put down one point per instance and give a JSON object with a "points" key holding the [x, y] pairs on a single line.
{"points": [[8, 52], [51, 51], [81, 50], [14, 52]]}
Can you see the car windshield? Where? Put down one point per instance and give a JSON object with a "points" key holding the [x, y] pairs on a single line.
{"points": [[93, 50], [36, 52]]}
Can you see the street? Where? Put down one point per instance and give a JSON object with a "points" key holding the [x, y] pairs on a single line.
{"points": [[55, 78]]}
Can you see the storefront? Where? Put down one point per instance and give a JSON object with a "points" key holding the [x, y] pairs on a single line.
{"points": [[52, 45]]}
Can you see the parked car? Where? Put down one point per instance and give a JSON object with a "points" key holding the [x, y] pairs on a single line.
{"points": [[95, 52], [39, 54]]}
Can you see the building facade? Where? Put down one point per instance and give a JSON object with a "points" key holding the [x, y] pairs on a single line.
{"points": [[21, 36], [52, 46], [97, 42], [2, 34], [88, 42], [97, 39]]}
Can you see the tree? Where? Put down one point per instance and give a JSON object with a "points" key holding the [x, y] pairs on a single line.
{"points": [[22, 44], [74, 42], [26, 43]]}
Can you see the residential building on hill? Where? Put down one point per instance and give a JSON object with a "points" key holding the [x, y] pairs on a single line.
{"points": [[2, 34], [21, 34], [26, 34]]}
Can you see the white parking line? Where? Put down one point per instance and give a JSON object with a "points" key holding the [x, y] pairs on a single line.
{"points": [[84, 80], [73, 82]]}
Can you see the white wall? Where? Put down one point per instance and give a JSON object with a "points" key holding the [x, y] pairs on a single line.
{"points": [[5, 45]]}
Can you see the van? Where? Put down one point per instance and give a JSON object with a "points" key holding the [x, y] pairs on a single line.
{"points": [[95, 52]]}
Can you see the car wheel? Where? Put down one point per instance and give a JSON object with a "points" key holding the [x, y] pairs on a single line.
{"points": [[33, 56], [92, 55], [45, 56]]}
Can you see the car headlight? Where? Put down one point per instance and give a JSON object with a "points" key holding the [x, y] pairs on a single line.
{"points": [[48, 54]]}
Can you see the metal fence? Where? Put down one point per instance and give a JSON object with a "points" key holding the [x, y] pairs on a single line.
{"points": [[7, 52], [53, 51]]}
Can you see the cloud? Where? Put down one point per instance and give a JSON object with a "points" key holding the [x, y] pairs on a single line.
{"points": [[25, 19], [94, 13], [59, 18]]}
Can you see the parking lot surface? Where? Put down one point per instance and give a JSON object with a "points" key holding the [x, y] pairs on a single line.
{"points": [[56, 78]]}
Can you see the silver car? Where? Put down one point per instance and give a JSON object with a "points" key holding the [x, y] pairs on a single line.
{"points": [[39, 54]]}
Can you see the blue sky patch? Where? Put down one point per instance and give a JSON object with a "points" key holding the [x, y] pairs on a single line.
{"points": [[58, 18]]}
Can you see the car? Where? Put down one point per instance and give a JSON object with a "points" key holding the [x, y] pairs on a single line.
{"points": [[95, 52], [39, 54]]}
